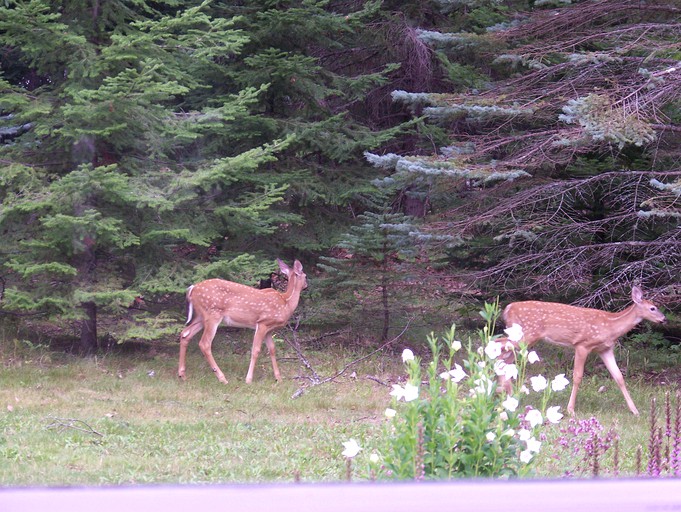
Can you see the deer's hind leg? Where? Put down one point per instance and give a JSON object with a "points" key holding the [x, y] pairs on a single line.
{"points": [[269, 341], [187, 334], [210, 327]]}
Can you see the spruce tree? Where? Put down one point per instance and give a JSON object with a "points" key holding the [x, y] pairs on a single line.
{"points": [[378, 275], [315, 62], [225, 135], [367, 276], [127, 161]]}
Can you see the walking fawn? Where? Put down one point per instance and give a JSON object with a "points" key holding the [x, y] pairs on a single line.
{"points": [[584, 330], [215, 301]]}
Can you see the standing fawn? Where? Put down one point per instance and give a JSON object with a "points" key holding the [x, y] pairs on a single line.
{"points": [[214, 301], [583, 329]]}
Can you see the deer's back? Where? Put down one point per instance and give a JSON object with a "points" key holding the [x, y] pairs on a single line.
{"points": [[238, 303], [561, 324]]}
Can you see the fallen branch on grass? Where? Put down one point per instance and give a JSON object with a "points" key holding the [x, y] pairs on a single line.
{"points": [[62, 424], [317, 380]]}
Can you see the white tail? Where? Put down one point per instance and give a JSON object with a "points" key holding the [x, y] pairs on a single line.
{"points": [[583, 329], [215, 301]]}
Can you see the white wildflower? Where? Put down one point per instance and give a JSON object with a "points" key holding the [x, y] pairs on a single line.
{"points": [[511, 371], [351, 448], [514, 333], [524, 434], [411, 392], [534, 417], [559, 383], [493, 349], [484, 385], [533, 445], [458, 373], [553, 415], [397, 392], [510, 404], [538, 383]]}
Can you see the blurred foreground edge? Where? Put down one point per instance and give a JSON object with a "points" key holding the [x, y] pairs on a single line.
{"points": [[480, 495]]}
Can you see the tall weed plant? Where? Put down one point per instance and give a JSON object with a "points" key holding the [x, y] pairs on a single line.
{"points": [[453, 422]]}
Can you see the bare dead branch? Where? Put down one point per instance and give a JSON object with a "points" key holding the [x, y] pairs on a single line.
{"points": [[548, 241], [62, 424], [318, 381]]}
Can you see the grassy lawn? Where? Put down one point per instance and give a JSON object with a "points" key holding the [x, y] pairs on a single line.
{"points": [[125, 418]]}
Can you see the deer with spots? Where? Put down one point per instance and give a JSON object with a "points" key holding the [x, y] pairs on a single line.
{"points": [[584, 330], [217, 301]]}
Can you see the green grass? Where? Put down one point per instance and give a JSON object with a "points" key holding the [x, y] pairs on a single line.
{"points": [[126, 419], [140, 428]]}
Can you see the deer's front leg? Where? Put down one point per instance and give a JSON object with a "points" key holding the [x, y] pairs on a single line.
{"points": [[577, 374], [181, 366], [608, 357], [260, 332], [508, 356]]}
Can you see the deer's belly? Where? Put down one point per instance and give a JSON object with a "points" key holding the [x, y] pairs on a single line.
{"points": [[233, 321], [558, 341]]}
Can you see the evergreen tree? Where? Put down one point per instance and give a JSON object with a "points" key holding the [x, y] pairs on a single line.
{"points": [[130, 160], [223, 135], [368, 276], [379, 271], [313, 61]]}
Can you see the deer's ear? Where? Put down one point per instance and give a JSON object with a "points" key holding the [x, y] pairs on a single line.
{"points": [[297, 266], [636, 295], [283, 267]]}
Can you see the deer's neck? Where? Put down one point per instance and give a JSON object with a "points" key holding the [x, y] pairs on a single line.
{"points": [[292, 293], [625, 320]]}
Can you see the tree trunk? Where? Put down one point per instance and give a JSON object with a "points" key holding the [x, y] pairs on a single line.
{"points": [[86, 263], [414, 206], [88, 329], [384, 296], [386, 316]]}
